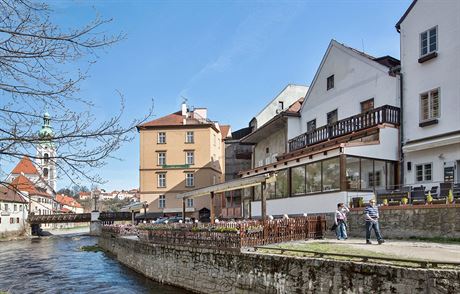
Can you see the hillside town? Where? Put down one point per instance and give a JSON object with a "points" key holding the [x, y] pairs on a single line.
{"points": [[347, 184]]}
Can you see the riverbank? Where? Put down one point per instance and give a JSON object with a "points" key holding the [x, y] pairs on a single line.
{"points": [[217, 271]]}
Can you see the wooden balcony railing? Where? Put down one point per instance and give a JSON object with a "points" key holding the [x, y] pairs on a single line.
{"points": [[384, 114]]}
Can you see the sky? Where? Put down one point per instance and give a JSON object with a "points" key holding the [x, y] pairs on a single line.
{"points": [[232, 57]]}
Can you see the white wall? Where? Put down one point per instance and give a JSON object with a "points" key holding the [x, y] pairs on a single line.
{"points": [[276, 144], [5, 215], [356, 79], [288, 96], [442, 71], [388, 148]]}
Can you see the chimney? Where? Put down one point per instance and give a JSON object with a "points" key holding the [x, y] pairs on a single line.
{"points": [[184, 112]]}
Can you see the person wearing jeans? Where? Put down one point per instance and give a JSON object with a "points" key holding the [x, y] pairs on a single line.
{"points": [[340, 221], [372, 222]]}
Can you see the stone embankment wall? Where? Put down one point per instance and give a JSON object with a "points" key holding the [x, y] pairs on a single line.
{"points": [[427, 221], [216, 271]]}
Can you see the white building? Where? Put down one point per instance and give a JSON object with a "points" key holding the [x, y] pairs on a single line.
{"points": [[13, 212], [343, 143], [430, 65]]}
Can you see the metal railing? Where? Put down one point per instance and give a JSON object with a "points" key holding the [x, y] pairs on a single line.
{"points": [[384, 114]]}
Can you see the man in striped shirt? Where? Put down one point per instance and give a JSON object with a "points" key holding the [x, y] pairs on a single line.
{"points": [[371, 213]]}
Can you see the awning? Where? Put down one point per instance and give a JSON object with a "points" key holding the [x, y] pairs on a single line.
{"points": [[229, 186], [432, 143], [133, 207]]}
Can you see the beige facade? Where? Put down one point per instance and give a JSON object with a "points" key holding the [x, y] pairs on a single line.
{"points": [[179, 153]]}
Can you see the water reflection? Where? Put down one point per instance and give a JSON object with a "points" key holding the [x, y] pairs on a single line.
{"points": [[57, 265]]}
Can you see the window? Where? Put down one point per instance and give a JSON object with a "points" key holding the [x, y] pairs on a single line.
{"points": [[429, 41], [15, 207], [20, 207], [214, 139], [298, 180], [352, 173], [189, 180], [162, 201], [314, 177], [46, 158], [331, 174], [311, 125], [190, 157], [161, 158], [267, 150], [332, 117], [189, 138], [367, 105], [161, 180], [330, 82], [281, 189], [6, 207], [45, 172], [189, 202], [429, 105], [423, 172], [11, 220], [449, 174], [17, 220], [161, 138], [280, 105]]}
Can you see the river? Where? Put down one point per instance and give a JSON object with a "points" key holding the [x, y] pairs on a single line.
{"points": [[57, 265]]}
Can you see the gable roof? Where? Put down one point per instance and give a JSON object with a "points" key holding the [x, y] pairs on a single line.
{"points": [[379, 62], [25, 166], [22, 183], [398, 24], [9, 195], [66, 200], [295, 107]]}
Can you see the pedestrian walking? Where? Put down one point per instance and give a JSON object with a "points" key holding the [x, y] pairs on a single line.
{"points": [[340, 221], [371, 213]]}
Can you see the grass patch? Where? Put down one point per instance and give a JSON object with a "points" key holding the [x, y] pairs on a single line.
{"points": [[436, 239], [90, 248]]}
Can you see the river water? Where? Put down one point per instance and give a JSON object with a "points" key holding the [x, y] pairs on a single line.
{"points": [[57, 265]]}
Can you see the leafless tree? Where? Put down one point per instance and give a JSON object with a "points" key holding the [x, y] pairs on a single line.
{"points": [[39, 69]]}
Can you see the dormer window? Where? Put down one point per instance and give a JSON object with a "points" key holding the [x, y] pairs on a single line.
{"points": [[280, 105], [330, 82]]}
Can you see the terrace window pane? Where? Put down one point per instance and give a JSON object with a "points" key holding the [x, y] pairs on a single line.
{"points": [[270, 190], [257, 193], [379, 174], [352, 173], [367, 174], [282, 184], [331, 174], [391, 175], [298, 180], [314, 177]]}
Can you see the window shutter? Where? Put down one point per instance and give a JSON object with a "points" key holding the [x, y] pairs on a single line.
{"points": [[435, 104], [424, 110]]}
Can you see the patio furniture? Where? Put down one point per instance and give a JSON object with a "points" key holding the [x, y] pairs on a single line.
{"points": [[418, 195], [445, 187], [433, 191]]}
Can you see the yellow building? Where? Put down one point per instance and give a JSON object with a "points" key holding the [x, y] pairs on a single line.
{"points": [[180, 152]]}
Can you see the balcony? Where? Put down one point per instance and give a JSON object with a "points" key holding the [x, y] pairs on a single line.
{"points": [[384, 114]]}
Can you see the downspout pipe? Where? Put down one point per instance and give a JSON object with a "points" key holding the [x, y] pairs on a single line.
{"points": [[397, 71]]}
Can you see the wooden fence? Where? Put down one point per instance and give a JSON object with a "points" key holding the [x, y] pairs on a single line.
{"points": [[231, 235]]}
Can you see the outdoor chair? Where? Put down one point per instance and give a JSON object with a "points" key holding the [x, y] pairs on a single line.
{"points": [[456, 190], [434, 192], [444, 189], [418, 196]]}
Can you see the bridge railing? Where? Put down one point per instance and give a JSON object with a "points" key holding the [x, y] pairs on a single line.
{"points": [[229, 235]]}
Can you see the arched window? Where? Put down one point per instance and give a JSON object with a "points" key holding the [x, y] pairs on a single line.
{"points": [[45, 172], [46, 157], [39, 211]]}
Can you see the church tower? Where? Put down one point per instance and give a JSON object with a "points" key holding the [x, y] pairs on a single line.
{"points": [[46, 154]]}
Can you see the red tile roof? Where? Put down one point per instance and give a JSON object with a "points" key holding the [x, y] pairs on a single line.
{"points": [[22, 183], [224, 129], [174, 119], [25, 166], [295, 107], [9, 195], [66, 200]]}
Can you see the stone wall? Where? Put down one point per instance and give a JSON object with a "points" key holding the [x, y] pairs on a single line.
{"points": [[427, 221], [216, 271]]}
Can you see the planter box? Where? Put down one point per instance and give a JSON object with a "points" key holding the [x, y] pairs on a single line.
{"points": [[418, 202], [439, 201], [393, 203]]}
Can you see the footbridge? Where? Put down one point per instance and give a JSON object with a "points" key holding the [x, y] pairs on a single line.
{"points": [[95, 218]]}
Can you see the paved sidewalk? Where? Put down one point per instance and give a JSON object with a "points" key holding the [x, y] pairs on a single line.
{"points": [[429, 251]]}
